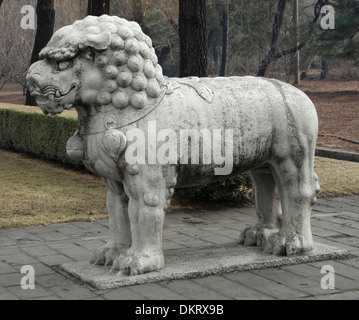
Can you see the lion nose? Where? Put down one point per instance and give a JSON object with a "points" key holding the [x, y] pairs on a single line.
{"points": [[34, 77]]}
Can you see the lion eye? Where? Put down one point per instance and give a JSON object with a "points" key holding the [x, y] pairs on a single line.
{"points": [[65, 65]]}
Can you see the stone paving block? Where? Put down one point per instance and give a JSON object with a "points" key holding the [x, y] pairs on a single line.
{"points": [[39, 250], [352, 262], [123, 294], [7, 250], [72, 292], [94, 298], [195, 232], [54, 260], [335, 227], [95, 227], [194, 291], [69, 228], [3, 290], [20, 258], [41, 269], [6, 268], [18, 234], [346, 200], [173, 234], [338, 205], [76, 253], [318, 208], [38, 292], [334, 242], [190, 242], [90, 245], [54, 235], [267, 286], [7, 296], [48, 298], [103, 222], [217, 239], [52, 280], [227, 232], [313, 272], [157, 291], [324, 232], [345, 221], [352, 295], [292, 280], [250, 211], [6, 241], [230, 289], [170, 245], [350, 241], [10, 279], [341, 268]]}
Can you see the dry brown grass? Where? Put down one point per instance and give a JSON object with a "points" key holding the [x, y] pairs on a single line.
{"points": [[36, 192]]}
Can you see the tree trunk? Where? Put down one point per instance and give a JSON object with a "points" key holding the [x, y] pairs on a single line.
{"points": [[272, 55], [223, 70], [325, 70], [193, 38], [277, 24], [98, 7], [45, 27]]}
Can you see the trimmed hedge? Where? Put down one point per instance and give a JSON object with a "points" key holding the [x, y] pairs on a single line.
{"points": [[37, 134]]}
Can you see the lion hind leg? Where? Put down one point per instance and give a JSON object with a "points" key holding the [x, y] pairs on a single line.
{"points": [[268, 208], [298, 187]]}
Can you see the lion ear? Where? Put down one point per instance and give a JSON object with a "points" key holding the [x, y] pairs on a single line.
{"points": [[98, 41]]}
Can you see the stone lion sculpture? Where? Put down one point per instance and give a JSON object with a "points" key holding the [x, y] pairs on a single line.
{"points": [[107, 69]]}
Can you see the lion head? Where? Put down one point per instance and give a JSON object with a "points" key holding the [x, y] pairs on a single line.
{"points": [[96, 61]]}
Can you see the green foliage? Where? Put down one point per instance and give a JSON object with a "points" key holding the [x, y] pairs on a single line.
{"points": [[232, 190], [343, 41], [36, 134]]}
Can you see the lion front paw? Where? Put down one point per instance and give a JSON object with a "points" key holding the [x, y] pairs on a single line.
{"points": [[136, 264], [147, 263], [255, 236], [248, 236], [286, 245], [105, 255]]}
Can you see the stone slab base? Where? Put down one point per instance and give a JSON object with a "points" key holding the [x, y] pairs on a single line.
{"points": [[199, 262]]}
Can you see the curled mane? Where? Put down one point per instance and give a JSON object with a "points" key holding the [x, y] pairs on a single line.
{"points": [[125, 56]]}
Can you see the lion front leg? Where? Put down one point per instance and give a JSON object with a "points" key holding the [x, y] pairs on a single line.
{"points": [[120, 242], [149, 189]]}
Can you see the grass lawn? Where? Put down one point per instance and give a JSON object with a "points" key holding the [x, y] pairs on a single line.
{"points": [[35, 192]]}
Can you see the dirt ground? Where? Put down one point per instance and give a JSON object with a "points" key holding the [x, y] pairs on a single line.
{"points": [[337, 104]]}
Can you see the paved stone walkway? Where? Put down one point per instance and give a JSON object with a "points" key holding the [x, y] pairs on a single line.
{"points": [[334, 222]]}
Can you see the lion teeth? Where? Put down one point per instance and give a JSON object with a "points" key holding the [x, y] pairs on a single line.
{"points": [[58, 94]]}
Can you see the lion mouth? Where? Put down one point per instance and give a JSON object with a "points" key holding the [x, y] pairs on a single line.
{"points": [[52, 93]]}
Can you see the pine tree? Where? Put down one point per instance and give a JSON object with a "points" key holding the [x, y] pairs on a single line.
{"points": [[343, 40]]}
